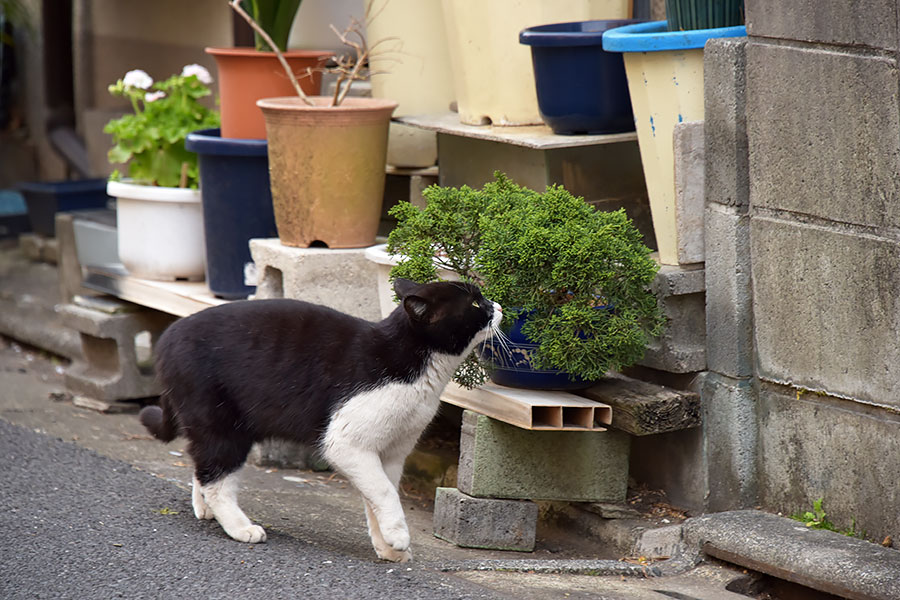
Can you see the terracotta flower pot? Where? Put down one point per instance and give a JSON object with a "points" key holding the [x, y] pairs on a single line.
{"points": [[326, 166], [246, 75]]}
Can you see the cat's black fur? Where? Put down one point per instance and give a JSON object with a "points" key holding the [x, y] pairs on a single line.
{"points": [[242, 372]]}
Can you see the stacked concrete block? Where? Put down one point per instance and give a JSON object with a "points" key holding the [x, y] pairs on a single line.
{"points": [[343, 279], [681, 292], [823, 122], [498, 460], [481, 523], [503, 467], [728, 392], [111, 369]]}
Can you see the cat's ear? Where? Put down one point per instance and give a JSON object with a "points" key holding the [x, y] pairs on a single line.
{"points": [[402, 287], [416, 307]]}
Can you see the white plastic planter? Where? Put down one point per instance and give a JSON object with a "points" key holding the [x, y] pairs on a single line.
{"points": [[160, 231], [384, 261], [665, 81]]}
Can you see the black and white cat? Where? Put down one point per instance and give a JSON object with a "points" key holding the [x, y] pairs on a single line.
{"points": [[243, 372]]}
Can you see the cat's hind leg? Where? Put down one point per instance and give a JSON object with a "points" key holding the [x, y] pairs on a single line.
{"points": [[217, 460]]}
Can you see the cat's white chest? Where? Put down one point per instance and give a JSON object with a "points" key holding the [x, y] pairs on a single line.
{"points": [[392, 414]]}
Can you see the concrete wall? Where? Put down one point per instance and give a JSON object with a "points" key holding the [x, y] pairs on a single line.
{"points": [[803, 255]]}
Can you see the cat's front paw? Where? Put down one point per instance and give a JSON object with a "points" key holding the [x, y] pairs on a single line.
{"points": [[252, 534], [394, 556], [396, 537]]}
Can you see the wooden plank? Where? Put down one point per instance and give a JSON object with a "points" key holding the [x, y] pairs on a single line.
{"points": [[642, 408], [531, 409], [180, 298], [537, 137]]}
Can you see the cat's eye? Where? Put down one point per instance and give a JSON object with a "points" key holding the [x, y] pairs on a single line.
{"points": [[476, 304]]}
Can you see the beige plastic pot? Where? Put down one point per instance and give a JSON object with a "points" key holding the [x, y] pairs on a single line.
{"points": [[492, 71], [326, 168], [412, 66]]}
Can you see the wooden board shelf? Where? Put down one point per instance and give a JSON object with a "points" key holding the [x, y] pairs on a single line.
{"points": [[180, 298], [537, 137], [532, 409]]}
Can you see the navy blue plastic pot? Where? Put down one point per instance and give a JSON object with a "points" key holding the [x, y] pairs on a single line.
{"points": [[237, 206], [510, 364], [580, 87], [46, 198]]}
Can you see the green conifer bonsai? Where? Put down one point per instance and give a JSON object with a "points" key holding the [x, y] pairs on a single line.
{"points": [[580, 277]]}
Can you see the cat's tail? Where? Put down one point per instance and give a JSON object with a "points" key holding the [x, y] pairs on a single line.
{"points": [[159, 421]]}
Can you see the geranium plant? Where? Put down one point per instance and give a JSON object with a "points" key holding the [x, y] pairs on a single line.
{"points": [[151, 140], [579, 277]]}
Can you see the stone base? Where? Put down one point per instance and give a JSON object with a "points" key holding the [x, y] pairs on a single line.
{"points": [[112, 369], [342, 279], [681, 293], [497, 460], [482, 523]]}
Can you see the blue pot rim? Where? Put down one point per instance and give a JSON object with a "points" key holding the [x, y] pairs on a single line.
{"points": [[69, 186], [210, 141], [654, 37], [562, 34]]}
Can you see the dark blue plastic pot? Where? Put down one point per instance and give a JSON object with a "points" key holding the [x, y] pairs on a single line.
{"points": [[511, 365], [46, 198], [580, 87], [237, 206]]}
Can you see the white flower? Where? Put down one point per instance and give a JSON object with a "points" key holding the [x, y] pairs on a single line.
{"points": [[201, 73], [154, 96], [138, 79]]}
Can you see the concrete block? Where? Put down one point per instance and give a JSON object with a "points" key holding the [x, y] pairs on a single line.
{"points": [[832, 151], [689, 189], [608, 176], [815, 446], [660, 542], [681, 348], [497, 460], [730, 430], [112, 368], [484, 523], [826, 308], [674, 462], [729, 301], [871, 23], [340, 278], [725, 122]]}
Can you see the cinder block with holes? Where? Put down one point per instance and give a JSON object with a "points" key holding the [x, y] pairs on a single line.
{"points": [[117, 340], [343, 279]]}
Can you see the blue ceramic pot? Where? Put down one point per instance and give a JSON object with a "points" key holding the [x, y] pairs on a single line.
{"points": [[237, 206], [512, 366], [580, 87]]}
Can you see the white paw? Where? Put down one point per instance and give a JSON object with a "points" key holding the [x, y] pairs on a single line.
{"points": [[252, 534], [394, 556], [396, 537]]}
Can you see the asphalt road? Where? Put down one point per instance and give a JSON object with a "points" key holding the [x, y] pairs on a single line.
{"points": [[74, 524]]}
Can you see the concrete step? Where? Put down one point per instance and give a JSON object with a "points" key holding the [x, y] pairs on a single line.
{"points": [[822, 560]]}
